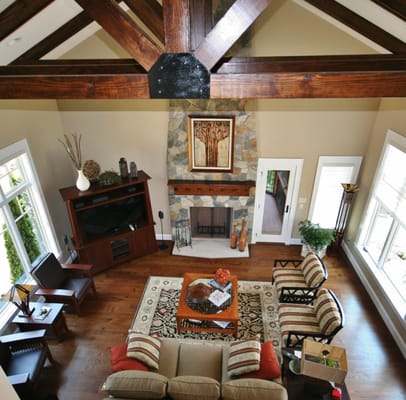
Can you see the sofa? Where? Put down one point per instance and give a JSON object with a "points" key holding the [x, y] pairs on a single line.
{"points": [[196, 370]]}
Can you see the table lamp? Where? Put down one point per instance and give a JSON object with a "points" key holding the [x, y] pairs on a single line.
{"points": [[20, 296]]}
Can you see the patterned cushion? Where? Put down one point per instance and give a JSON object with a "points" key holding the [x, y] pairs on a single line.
{"points": [[245, 356], [144, 348], [312, 270], [288, 277], [297, 317], [327, 312]]}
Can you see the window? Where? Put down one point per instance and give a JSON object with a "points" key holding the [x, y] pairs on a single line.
{"points": [[327, 191], [25, 229], [382, 240]]}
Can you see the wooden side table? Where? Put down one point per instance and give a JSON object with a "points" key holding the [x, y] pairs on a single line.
{"points": [[54, 322], [301, 387]]}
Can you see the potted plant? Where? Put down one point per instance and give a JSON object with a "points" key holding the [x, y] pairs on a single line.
{"points": [[315, 238]]}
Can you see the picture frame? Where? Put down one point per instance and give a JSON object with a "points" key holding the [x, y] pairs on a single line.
{"points": [[211, 143]]}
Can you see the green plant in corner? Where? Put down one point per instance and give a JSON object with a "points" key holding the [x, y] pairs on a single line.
{"points": [[315, 237]]}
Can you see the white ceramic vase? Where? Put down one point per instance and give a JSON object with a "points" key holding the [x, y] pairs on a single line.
{"points": [[82, 183]]}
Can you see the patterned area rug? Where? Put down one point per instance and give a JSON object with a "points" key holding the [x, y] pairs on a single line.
{"points": [[257, 309]]}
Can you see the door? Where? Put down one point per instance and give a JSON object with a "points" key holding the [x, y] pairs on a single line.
{"points": [[277, 189]]}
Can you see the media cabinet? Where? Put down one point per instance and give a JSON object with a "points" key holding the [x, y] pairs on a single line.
{"points": [[111, 224]]}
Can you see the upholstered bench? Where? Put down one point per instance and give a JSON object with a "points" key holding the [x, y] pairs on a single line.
{"points": [[297, 281], [197, 369], [319, 321]]}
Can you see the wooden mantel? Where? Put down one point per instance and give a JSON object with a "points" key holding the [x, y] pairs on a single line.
{"points": [[211, 188]]}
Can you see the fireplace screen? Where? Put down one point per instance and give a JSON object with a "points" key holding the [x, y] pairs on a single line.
{"points": [[210, 222]]}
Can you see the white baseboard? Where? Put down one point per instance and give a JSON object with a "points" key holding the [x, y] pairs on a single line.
{"points": [[387, 313]]}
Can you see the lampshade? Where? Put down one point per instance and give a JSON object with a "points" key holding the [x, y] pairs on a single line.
{"points": [[20, 296]]}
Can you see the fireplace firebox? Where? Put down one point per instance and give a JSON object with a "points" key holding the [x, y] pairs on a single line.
{"points": [[210, 222]]}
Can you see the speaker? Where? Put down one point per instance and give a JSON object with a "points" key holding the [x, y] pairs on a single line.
{"points": [[163, 245]]}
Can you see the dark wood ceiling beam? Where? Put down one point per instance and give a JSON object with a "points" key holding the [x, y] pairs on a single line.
{"points": [[371, 76], [52, 41], [176, 25], [123, 29], [238, 18], [308, 85], [151, 14], [19, 13], [360, 25], [396, 7], [75, 87], [200, 21], [348, 63]]}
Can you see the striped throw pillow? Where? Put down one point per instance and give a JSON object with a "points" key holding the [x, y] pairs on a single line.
{"points": [[244, 357], [144, 348], [327, 312], [312, 270]]}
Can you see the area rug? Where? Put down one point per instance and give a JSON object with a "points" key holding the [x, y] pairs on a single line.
{"points": [[257, 309]]}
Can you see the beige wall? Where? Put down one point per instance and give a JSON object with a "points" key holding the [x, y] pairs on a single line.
{"points": [[40, 123], [311, 128], [287, 29], [137, 130]]}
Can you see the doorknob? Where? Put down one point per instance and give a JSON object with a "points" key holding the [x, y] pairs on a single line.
{"points": [[287, 209]]}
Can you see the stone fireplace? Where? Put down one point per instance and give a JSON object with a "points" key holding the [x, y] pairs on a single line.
{"points": [[234, 191]]}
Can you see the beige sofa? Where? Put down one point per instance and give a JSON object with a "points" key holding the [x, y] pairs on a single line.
{"points": [[194, 370]]}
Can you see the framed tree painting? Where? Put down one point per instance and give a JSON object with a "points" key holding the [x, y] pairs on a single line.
{"points": [[211, 144]]}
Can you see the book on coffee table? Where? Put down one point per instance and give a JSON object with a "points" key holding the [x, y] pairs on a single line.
{"points": [[218, 297], [213, 283]]}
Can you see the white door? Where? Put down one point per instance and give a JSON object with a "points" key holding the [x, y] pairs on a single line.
{"points": [[277, 189]]}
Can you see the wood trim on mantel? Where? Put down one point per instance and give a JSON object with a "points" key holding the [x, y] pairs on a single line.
{"points": [[211, 188]]}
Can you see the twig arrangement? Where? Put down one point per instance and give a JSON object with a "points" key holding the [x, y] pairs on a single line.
{"points": [[72, 147]]}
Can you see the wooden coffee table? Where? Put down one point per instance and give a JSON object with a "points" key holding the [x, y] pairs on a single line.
{"points": [[204, 321]]}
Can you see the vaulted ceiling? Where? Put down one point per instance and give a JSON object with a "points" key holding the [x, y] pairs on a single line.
{"points": [[177, 52]]}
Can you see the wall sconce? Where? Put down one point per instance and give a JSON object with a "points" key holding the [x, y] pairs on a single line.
{"points": [[20, 297]]}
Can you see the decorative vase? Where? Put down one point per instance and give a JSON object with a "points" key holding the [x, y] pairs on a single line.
{"points": [[82, 183], [233, 238], [243, 237]]}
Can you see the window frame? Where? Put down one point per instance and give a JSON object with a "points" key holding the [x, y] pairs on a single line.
{"points": [[39, 207], [332, 161], [373, 204]]}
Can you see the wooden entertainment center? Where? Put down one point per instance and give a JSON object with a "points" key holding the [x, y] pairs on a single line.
{"points": [[111, 224]]}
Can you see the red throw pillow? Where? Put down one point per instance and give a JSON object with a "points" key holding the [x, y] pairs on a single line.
{"points": [[269, 365], [120, 361]]}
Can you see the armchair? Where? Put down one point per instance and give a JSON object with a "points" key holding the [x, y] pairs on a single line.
{"points": [[319, 321], [297, 281], [62, 283], [22, 357]]}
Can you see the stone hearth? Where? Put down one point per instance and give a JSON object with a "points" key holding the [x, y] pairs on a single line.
{"points": [[219, 189]]}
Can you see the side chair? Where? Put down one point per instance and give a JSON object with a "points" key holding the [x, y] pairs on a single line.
{"points": [[62, 283], [22, 357], [298, 280], [319, 321]]}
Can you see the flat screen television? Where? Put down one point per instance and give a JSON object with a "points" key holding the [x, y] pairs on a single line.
{"points": [[112, 218]]}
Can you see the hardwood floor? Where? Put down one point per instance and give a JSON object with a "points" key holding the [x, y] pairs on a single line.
{"points": [[376, 367]]}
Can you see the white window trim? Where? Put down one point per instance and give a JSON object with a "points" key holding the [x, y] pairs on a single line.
{"points": [[333, 161], [399, 141]]}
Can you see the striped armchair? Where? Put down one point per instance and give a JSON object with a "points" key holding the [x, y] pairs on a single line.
{"points": [[297, 281], [319, 321]]}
